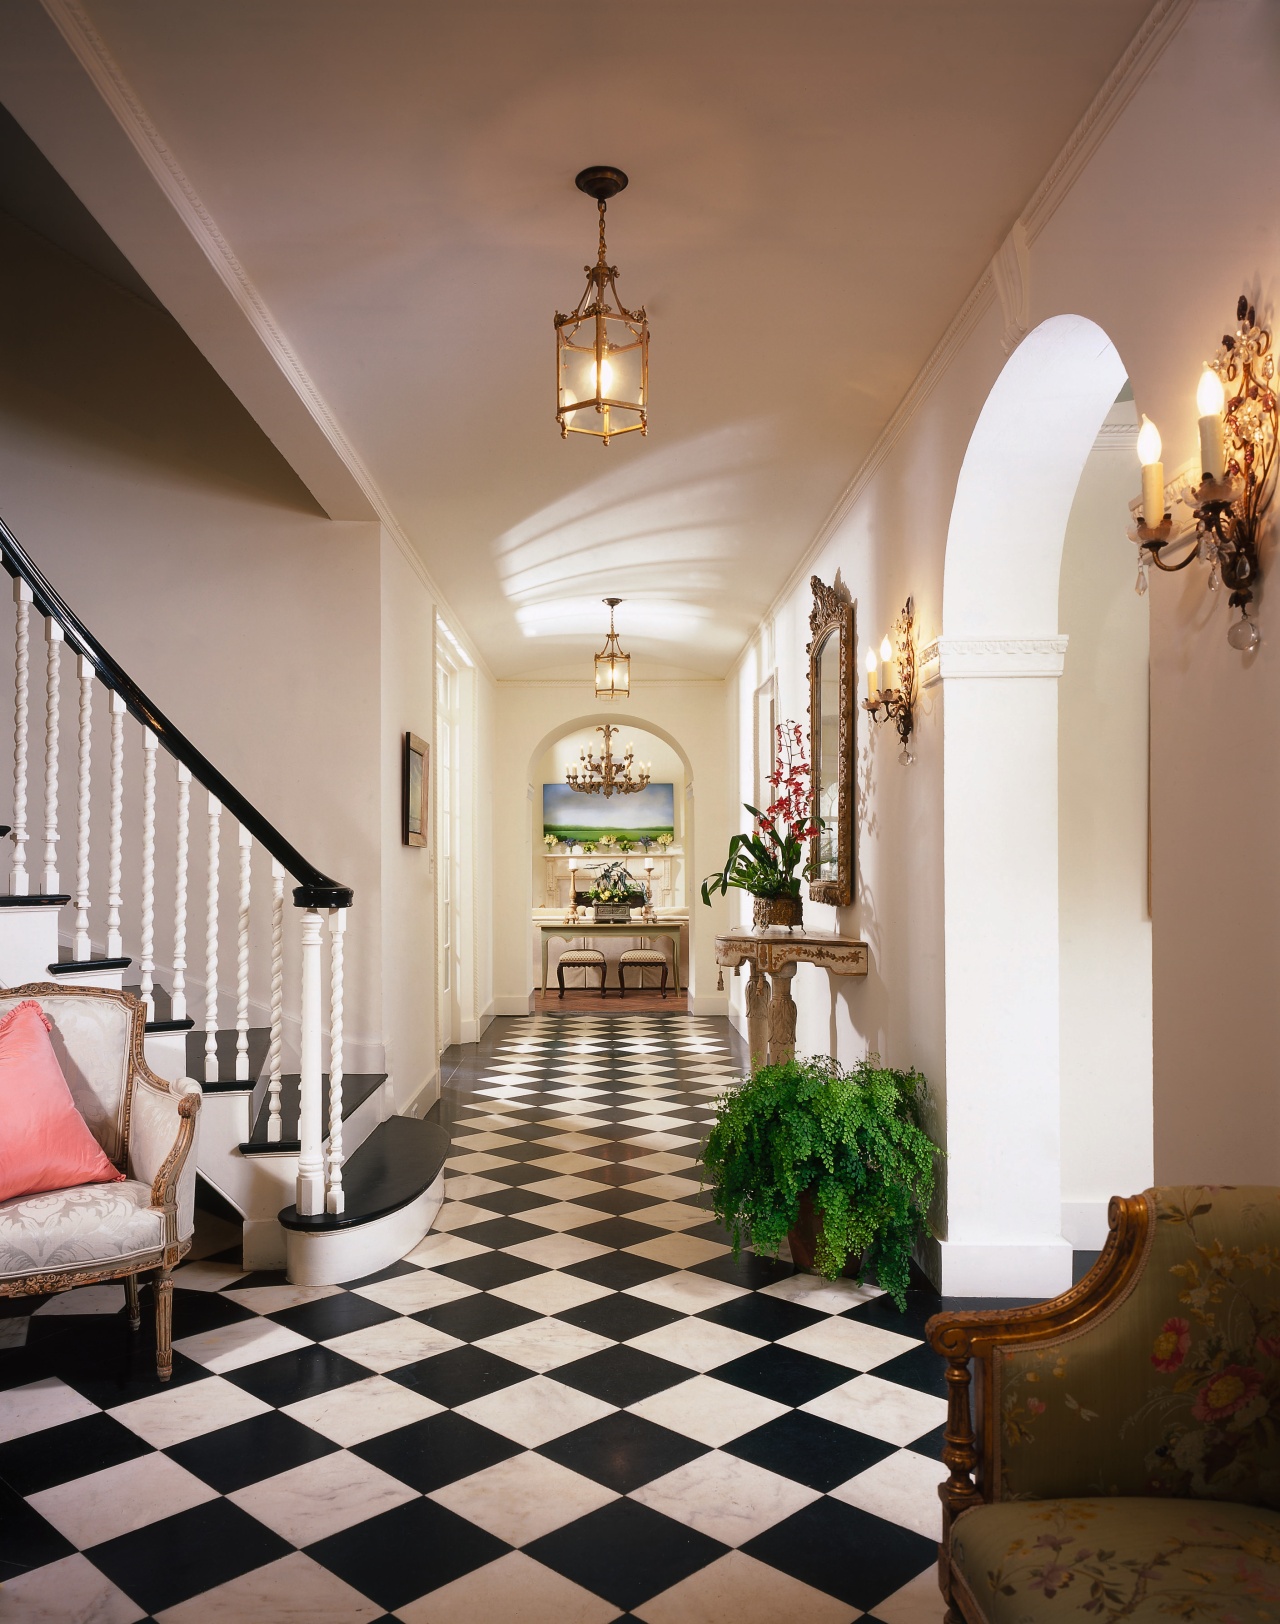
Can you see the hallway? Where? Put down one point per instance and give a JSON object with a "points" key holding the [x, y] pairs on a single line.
{"points": [[570, 1392]]}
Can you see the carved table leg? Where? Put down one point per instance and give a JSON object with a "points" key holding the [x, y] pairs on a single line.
{"points": [[758, 1017], [782, 1017]]}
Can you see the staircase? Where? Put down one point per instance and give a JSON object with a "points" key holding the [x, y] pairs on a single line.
{"points": [[329, 1182]]}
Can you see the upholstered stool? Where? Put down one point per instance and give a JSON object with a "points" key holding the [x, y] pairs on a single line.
{"points": [[641, 956], [580, 958]]}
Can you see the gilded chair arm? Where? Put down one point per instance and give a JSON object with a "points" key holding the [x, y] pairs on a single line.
{"points": [[162, 1130]]}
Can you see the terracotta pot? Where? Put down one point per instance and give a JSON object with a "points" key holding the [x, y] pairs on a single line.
{"points": [[787, 911], [803, 1238]]}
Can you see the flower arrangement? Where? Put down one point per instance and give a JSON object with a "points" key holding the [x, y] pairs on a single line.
{"points": [[666, 840], [549, 841], [767, 862], [615, 883], [607, 842]]}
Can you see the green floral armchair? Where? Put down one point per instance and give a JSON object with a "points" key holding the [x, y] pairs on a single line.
{"points": [[1115, 1454]]}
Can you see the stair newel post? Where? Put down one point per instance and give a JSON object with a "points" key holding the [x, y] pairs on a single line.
{"points": [[211, 950], [310, 1152], [274, 1126], [148, 869], [53, 680], [115, 942], [178, 1003], [85, 672], [19, 879], [334, 1199], [242, 958]]}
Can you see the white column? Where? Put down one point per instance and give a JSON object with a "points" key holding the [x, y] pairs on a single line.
{"points": [[115, 942], [211, 950], [245, 840], [148, 868], [19, 879], [310, 1199], [53, 679], [334, 1198], [274, 1126], [178, 1003], [85, 672]]}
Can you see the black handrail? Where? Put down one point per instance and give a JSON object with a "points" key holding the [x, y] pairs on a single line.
{"points": [[314, 890]]}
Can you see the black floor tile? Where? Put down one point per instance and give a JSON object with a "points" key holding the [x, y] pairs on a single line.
{"points": [[518, 1174], [618, 1200], [618, 1173], [619, 1316], [844, 1551], [783, 1374], [403, 1554], [235, 1456], [57, 1454], [747, 1269], [300, 1374], [500, 1232], [333, 1316], [810, 1450], [393, 1271], [619, 1232], [622, 1451], [525, 1152], [460, 1375], [489, 1270], [883, 1311], [197, 1311], [758, 1315], [26, 1539], [920, 1368], [472, 1318], [619, 1270], [428, 1454], [510, 1202], [931, 1445], [621, 1375], [169, 1561], [625, 1552], [620, 1152]]}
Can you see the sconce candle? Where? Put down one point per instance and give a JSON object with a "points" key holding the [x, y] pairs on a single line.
{"points": [[871, 673], [1149, 449], [886, 661], [1210, 400]]}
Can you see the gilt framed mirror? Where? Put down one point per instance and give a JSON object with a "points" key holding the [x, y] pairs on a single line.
{"points": [[831, 741]]}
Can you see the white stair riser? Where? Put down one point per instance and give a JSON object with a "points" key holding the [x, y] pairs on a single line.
{"points": [[333, 1256], [28, 944]]}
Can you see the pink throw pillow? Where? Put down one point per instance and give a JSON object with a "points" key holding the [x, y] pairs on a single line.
{"points": [[45, 1144]]}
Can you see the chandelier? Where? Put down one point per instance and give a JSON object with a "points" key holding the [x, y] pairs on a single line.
{"points": [[602, 349], [604, 777], [613, 667]]}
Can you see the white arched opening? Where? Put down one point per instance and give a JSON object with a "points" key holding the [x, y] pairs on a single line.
{"points": [[999, 661]]}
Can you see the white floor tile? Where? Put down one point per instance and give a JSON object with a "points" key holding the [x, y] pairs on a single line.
{"points": [[711, 1411], [475, 1161], [739, 1590], [115, 1501], [104, 1299], [551, 1293], [679, 1250], [362, 1410], [230, 1347], [850, 1342], [898, 1415], [556, 1251], [521, 1499], [178, 1413], [459, 1215], [561, 1215], [483, 1141], [901, 1488], [486, 1597], [392, 1344], [37, 1405], [285, 1592], [824, 1296], [275, 1299], [725, 1498], [672, 1215], [532, 1413], [411, 1293], [918, 1602], [570, 1141], [663, 1161], [71, 1591], [668, 1140], [564, 1187], [13, 1331], [564, 1161], [697, 1343], [470, 1186], [544, 1344], [666, 1186], [442, 1248], [323, 1497]]}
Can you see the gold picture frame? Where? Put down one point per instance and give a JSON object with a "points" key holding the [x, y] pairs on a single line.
{"points": [[416, 790], [831, 724]]}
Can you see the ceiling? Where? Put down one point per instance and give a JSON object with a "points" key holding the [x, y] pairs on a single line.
{"points": [[815, 187]]}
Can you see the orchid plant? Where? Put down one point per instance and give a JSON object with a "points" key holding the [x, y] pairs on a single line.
{"points": [[768, 861]]}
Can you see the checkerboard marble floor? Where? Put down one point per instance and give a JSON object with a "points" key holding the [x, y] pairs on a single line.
{"points": [[569, 1405]]}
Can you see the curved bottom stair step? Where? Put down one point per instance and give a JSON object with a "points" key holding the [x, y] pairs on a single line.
{"points": [[393, 1186]]}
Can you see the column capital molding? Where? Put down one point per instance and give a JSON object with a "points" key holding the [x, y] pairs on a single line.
{"points": [[948, 657]]}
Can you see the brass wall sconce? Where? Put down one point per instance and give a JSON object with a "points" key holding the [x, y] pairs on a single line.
{"points": [[885, 703], [1239, 418]]}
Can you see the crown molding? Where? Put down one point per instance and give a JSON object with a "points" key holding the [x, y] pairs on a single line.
{"points": [[948, 657]]}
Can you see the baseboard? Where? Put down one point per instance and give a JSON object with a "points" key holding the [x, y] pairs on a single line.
{"points": [[485, 1021], [423, 1098], [709, 1003], [515, 1004], [1037, 1270], [1084, 1223]]}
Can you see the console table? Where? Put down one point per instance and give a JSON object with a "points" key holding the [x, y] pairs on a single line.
{"points": [[771, 1010], [642, 929]]}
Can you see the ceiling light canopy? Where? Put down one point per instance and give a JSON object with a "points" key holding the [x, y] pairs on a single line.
{"points": [[602, 349], [613, 667]]}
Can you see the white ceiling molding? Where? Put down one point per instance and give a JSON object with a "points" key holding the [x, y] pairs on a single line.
{"points": [[1011, 271], [949, 657], [1116, 437]]}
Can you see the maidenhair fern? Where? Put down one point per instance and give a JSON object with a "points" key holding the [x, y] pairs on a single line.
{"points": [[852, 1138]]}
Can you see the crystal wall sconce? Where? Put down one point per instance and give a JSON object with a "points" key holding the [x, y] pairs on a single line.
{"points": [[884, 702]]}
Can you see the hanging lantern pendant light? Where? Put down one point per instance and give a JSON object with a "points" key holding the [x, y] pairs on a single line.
{"points": [[613, 667], [602, 349]]}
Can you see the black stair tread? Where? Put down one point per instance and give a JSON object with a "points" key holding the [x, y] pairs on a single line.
{"points": [[170, 1026], [356, 1089], [396, 1163], [65, 967], [162, 1009], [259, 1044], [53, 900]]}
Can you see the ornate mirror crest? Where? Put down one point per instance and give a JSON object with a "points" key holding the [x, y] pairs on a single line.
{"points": [[831, 713]]}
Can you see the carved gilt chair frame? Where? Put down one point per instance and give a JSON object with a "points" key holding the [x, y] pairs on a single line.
{"points": [[833, 614]]}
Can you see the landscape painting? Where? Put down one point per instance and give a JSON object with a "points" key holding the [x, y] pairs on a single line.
{"points": [[576, 818]]}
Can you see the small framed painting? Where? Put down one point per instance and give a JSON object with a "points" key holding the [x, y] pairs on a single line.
{"points": [[416, 795]]}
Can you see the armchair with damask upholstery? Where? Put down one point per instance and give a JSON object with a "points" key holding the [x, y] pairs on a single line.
{"points": [[1115, 1454], [58, 1239]]}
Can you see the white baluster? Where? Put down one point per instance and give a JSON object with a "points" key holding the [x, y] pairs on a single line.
{"points": [[211, 951], [274, 1128], [115, 943], [53, 679], [242, 961], [84, 669], [148, 869], [334, 1198], [19, 879], [178, 1003], [310, 1153]]}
